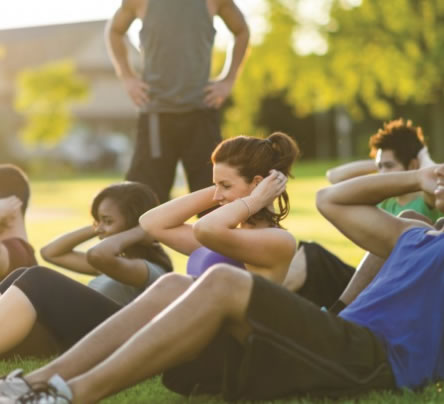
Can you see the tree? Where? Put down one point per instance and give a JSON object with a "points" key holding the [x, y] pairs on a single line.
{"points": [[45, 96], [379, 54]]}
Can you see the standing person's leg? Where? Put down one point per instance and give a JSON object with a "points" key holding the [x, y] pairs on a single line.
{"points": [[155, 158], [109, 336], [200, 137]]}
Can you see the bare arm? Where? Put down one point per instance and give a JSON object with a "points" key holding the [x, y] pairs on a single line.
{"points": [[266, 249], [350, 206], [166, 223], [218, 91], [351, 170], [107, 257], [61, 251], [115, 37], [4, 260]]}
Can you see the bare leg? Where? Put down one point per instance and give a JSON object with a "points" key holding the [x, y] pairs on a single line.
{"points": [[115, 331], [177, 334], [297, 272], [17, 317]]}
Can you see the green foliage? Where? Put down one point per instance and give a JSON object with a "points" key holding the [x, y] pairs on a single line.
{"points": [[380, 53], [45, 95]]}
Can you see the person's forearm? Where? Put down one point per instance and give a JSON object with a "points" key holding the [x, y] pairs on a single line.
{"points": [[118, 52], [235, 59], [350, 170], [177, 211], [372, 189], [116, 244], [67, 242]]}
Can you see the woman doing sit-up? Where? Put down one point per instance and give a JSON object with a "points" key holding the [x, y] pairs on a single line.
{"points": [[47, 312], [245, 229], [249, 175]]}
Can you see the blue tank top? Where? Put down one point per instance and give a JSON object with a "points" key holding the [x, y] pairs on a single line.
{"points": [[203, 258], [403, 307]]}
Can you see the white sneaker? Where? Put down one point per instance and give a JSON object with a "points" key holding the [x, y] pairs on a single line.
{"points": [[13, 386], [56, 391]]}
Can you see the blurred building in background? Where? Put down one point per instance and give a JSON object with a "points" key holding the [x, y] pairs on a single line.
{"points": [[103, 125]]}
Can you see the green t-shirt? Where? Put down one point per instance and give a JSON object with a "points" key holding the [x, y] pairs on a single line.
{"points": [[418, 205]]}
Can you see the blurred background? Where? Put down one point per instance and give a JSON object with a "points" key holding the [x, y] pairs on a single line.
{"points": [[328, 72]]}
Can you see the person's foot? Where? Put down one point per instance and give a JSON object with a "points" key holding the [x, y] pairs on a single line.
{"points": [[13, 386], [56, 391]]}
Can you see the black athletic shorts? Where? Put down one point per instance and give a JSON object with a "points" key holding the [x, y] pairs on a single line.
{"points": [[295, 348], [327, 275]]}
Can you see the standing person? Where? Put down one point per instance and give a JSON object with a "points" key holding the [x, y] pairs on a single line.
{"points": [[15, 250], [178, 103], [47, 312]]}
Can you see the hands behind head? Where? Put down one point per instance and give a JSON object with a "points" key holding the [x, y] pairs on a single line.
{"points": [[432, 182], [439, 190], [270, 188], [9, 209]]}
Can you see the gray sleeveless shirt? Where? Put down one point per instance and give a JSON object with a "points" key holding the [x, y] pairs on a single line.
{"points": [[176, 38]]}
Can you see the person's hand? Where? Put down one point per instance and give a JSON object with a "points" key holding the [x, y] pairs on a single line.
{"points": [[217, 92], [439, 190], [137, 89], [270, 188], [9, 209], [424, 158]]}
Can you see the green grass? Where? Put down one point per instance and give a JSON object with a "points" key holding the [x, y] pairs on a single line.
{"points": [[61, 205]]}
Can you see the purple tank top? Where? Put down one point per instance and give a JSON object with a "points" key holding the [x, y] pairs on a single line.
{"points": [[203, 258]]}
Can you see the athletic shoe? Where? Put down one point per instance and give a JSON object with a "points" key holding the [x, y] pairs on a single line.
{"points": [[13, 386], [56, 391]]}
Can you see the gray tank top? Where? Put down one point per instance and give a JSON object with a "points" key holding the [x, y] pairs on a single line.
{"points": [[176, 38]]}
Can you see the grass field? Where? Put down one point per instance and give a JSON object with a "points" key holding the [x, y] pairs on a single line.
{"points": [[61, 205]]}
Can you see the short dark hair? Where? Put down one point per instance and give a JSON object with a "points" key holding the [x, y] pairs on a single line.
{"points": [[404, 139], [14, 182]]}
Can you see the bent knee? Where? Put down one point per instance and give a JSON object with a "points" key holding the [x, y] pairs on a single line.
{"points": [[222, 277]]}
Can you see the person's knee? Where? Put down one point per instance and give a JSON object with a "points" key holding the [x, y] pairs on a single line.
{"points": [[171, 284], [219, 279]]}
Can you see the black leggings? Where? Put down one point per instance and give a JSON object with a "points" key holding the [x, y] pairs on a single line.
{"points": [[66, 310]]}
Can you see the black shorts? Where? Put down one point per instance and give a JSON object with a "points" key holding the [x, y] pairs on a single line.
{"points": [[190, 137], [327, 275], [300, 350]]}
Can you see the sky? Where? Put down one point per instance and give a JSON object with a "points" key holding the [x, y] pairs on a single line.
{"points": [[22, 13]]}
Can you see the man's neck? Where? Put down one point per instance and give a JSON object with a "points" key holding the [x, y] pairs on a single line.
{"points": [[405, 199]]}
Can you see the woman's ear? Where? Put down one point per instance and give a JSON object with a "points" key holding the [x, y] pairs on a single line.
{"points": [[414, 164], [257, 179]]}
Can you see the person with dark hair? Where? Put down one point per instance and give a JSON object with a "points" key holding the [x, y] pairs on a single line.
{"points": [[47, 312], [179, 104], [397, 146], [249, 175], [324, 278], [276, 343], [15, 251]]}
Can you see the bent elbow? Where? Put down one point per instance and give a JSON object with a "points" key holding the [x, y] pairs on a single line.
{"points": [[45, 253], [204, 232], [322, 200], [95, 257]]}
